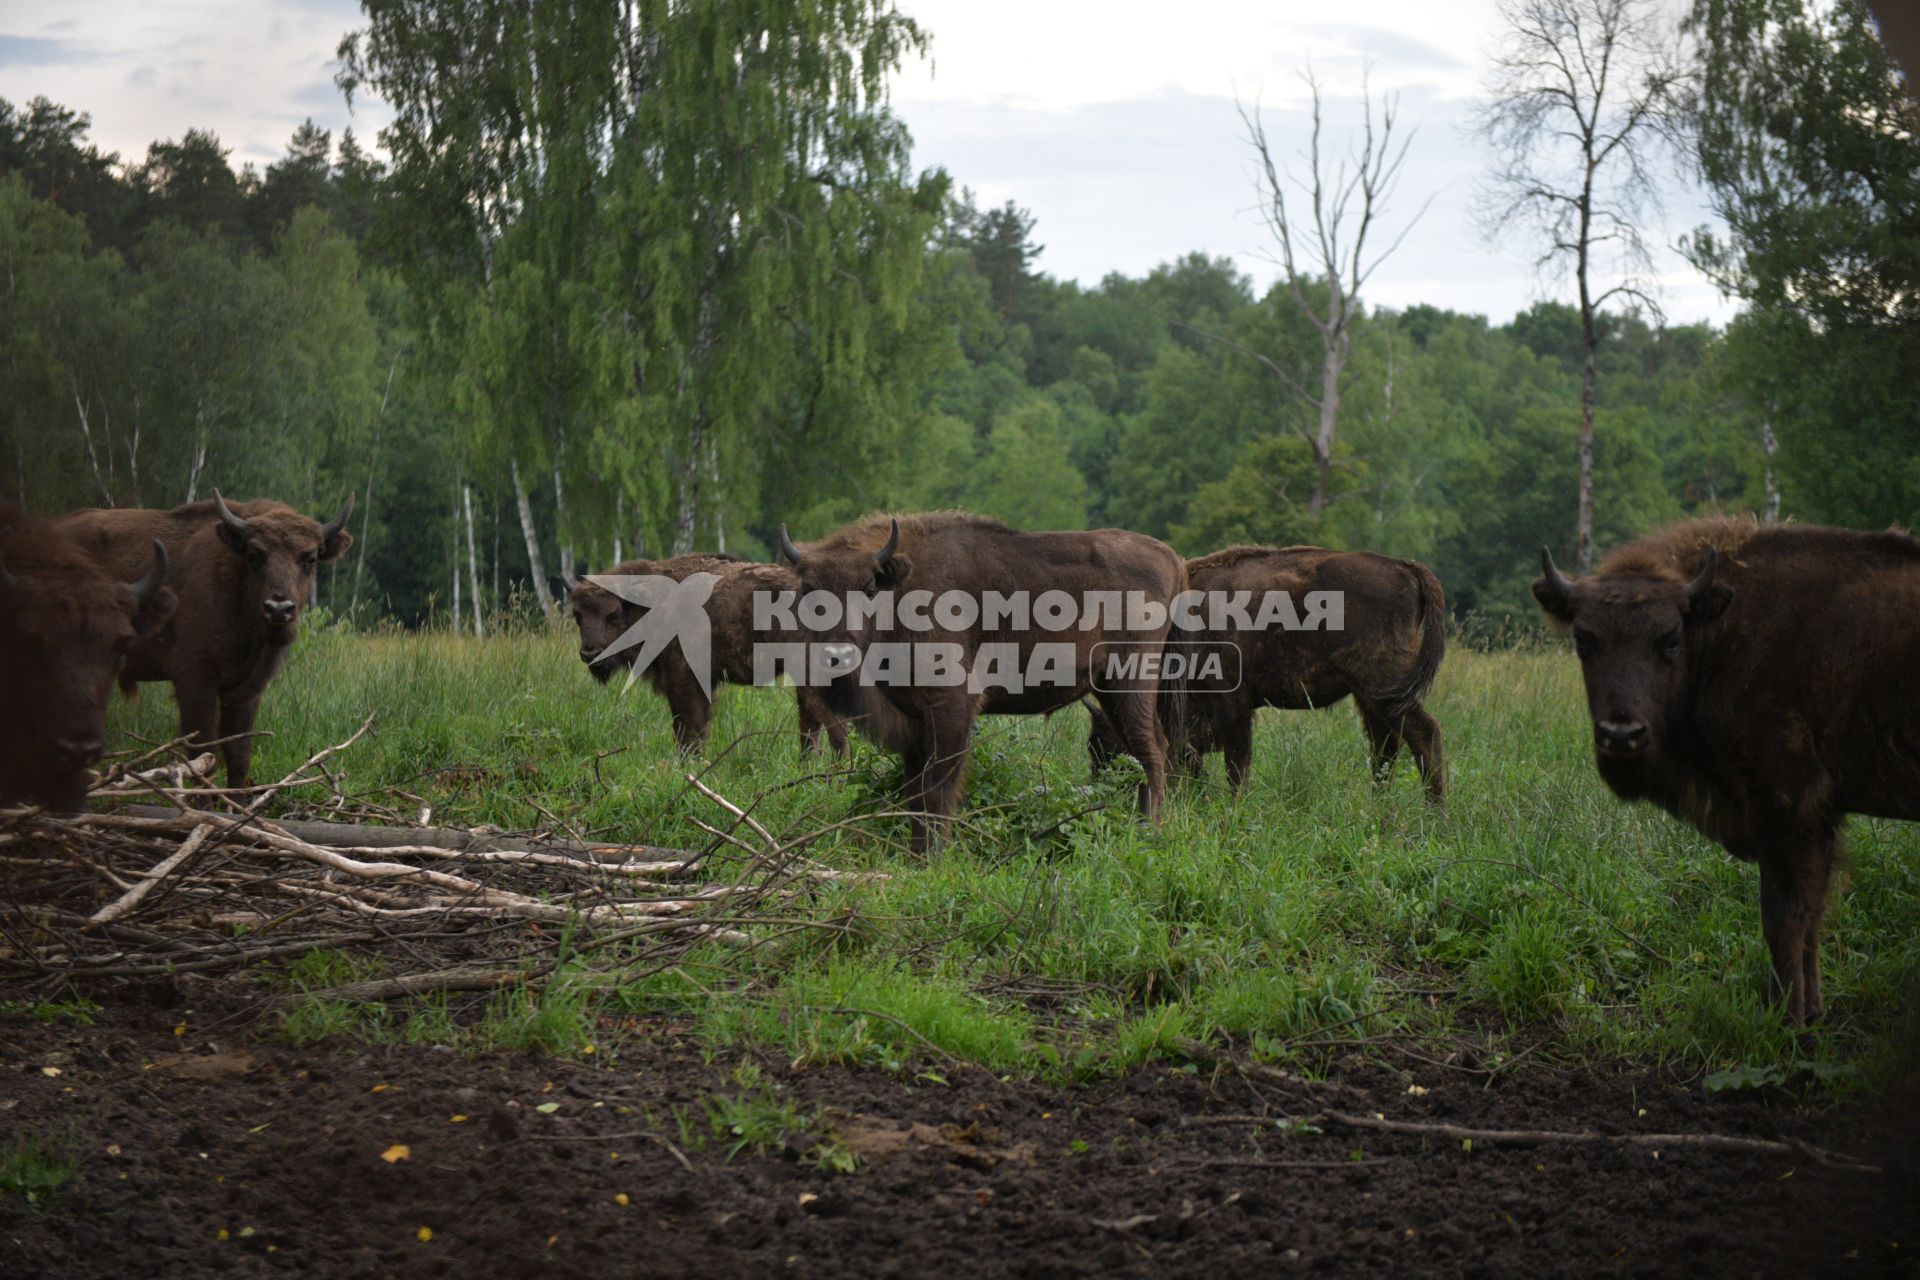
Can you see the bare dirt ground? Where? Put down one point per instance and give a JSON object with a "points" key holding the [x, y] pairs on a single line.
{"points": [[213, 1149]]}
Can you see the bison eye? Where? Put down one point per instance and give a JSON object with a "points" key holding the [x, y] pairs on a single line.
{"points": [[1584, 642], [1668, 645]]}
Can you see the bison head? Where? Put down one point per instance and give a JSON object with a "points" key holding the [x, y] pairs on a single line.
{"points": [[1633, 635], [847, 566], [282, 550], [602, 618], [65, 629]]}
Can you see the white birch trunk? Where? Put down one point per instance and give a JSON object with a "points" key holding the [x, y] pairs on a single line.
{"points": [[535, 565], [473, 566]]}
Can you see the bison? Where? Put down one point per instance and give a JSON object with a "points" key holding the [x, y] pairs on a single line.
{"points": [[928, 721], [604, 617], [242, 573], [1756, 681], [1384, 648], [66, 626]]}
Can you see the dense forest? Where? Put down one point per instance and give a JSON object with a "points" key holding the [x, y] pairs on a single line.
{"points": [[663, 283]]}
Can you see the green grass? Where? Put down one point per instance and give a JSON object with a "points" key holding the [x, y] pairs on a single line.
{"points": [[1315, 909], [78, 1010], [34, 1167]]}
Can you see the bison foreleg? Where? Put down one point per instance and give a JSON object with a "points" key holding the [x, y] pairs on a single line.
{"points": [[199, 711], [1793, 898], [236, 724], [815, 716], [937, 770]]}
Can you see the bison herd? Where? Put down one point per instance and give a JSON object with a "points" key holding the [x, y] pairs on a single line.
{"points": [[1761, 682]]}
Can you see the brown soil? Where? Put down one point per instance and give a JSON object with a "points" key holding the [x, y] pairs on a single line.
{"points": [[210, 1149]]}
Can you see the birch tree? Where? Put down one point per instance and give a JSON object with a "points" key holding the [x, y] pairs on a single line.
{"points": [[1580, 103], [1327, 227]]}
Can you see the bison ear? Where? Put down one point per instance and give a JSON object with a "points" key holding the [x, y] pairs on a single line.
{"points": [[154, 611], [1557, 604], [1553, 590], [336, 546], [1710, 603], [889, 576]]}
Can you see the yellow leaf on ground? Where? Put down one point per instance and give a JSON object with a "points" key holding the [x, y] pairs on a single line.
{"points": [[49, 1071], [456, 1119], [622, 1199], [379, 1088], [424, 1234], [398, 1151]]}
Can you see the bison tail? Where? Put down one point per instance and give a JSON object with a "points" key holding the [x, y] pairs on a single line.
{"points": [[1406, 695]]}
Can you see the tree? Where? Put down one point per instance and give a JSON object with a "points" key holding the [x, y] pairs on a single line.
{"points": [[687, 229], [1581, 99], [1806, 137], [1325, 258]]}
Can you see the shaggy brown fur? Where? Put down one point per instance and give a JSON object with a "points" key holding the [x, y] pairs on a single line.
{"points": [[1757, 681], [240, 602], [952, 551], [603, 617], [66, 625], [1385, 655]]}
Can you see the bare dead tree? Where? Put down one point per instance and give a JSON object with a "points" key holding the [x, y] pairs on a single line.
{"points": [[1328, 241], [1581, 105]]}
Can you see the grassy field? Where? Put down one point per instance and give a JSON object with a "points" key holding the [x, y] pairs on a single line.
{"points": [[1316, 911]]}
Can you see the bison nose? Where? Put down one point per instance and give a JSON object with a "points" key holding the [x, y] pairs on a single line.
{"points": [[1620, 737], [78, 750], [586, 654], [279, 611]]}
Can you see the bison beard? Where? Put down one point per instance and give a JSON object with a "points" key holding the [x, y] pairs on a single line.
{"points": [[1386, 655], [603, 618], [929, 727], [242, 573], [66, 625], [1756, 681]]}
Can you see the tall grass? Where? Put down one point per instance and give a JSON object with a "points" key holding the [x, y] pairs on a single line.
{"points": [[1057, 932]]}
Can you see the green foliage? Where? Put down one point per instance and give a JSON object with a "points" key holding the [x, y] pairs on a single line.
{"points": [[79, 1010], [1805, 135], [34, 1167]]}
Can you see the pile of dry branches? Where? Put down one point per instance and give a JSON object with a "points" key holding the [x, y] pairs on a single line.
{"points": [[198, 879]]}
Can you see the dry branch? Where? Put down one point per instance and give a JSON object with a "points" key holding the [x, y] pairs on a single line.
{"points": [[207, 882]]}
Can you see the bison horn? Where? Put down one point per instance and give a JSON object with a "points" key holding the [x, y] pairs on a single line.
{"points": [[885, 553], [1705, 576], [339, 522], [787, 549], [233, 521], [143, 590], [1555, 579]]}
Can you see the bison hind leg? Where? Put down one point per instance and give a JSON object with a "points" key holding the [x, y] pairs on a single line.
{"points": [[1134, 716]]}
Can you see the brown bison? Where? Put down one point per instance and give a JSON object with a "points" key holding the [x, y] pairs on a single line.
{"points": [[242, 573], [1758, 682], [1383, 647], [604, 618], [66, 626], [926, 713]]}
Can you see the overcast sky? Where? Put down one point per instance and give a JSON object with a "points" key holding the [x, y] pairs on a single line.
{"points": [[1114, 123]]}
